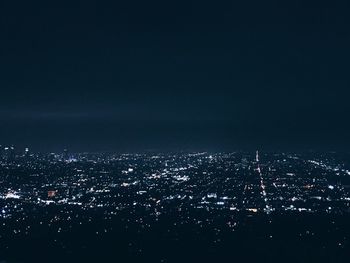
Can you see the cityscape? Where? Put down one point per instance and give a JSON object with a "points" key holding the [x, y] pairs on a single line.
{"points": [[172, 207], [174, 131]]}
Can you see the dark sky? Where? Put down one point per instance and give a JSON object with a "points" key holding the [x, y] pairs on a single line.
{"points": [[136, 75]]}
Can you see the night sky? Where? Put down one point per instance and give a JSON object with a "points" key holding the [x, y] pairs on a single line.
{"points": [[191, 75]]}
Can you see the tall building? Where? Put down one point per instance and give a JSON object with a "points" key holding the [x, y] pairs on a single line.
{"points": [[26, 152], [12, 153], [65, 155], [9, 153]]}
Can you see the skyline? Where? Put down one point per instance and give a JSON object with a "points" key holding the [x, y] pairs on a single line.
{"points": [[174, 131]]}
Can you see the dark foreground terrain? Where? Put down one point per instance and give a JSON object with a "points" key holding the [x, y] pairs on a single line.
{"points": [[185, 207]]}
